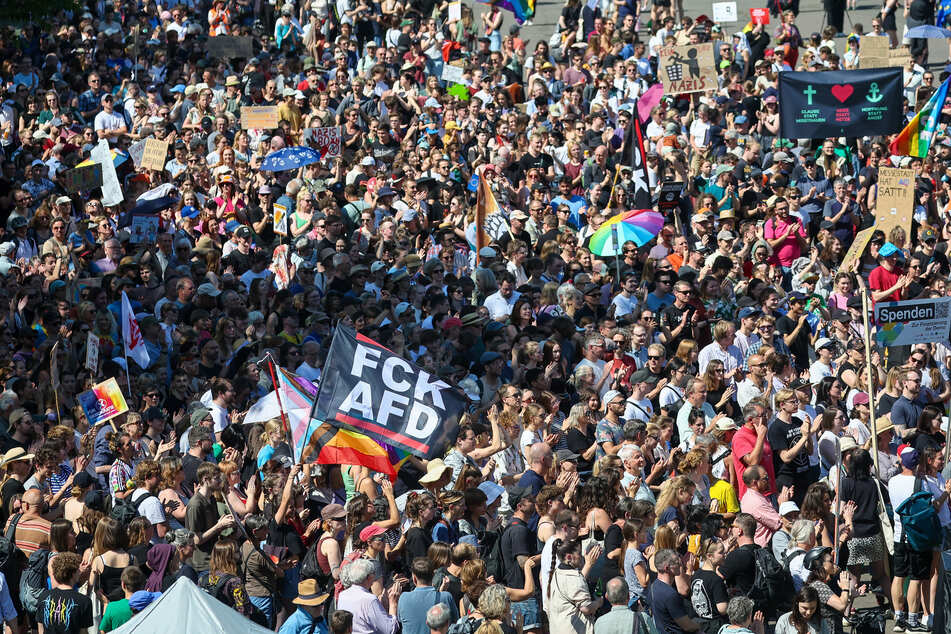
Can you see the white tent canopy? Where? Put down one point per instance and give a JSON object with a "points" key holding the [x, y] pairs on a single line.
{"points": [[186, 608]]}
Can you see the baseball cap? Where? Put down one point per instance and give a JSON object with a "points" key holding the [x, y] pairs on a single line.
{"points": [[611, 395], [788, 507], [887, 249], [333, 511], [909, 457], [823, 342], [517, 494], [749, 311], [370, 532]]}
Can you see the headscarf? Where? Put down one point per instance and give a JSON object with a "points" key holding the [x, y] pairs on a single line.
{"points": [[157, 560]]}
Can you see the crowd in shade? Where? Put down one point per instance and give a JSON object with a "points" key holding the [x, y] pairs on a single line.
{"points": [[676, 417]]}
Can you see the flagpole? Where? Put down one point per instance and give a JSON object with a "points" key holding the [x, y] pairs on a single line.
{"points": [[55, 379], [617, 252], [125, 355], [280, 402]]}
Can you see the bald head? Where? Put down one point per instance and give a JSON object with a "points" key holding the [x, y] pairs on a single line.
{"points": [[617, 591], [538, 453], [33, 497]]}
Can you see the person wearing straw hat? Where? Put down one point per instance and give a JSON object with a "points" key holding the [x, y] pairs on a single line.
{"points": [[889, 463], [309, 615], [437, 477], [16, 467]]}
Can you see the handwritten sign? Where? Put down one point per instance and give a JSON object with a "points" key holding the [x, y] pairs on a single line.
{"points": [[896, 199], [899, 57], [136, 152], [455, 11], [759, 16], [280, 219], [724, 12], [226, 46], [327, 140], [453, 75], [873, 52], [92, 353], [686, 69], [82, 178], [154, 155], [144, 229], [856, 249], [259, 117]]}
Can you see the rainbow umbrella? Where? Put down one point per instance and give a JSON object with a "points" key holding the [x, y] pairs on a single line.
{"points": [[118, 158], [639, 226]]}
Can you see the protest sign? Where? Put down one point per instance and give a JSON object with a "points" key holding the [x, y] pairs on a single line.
{"points": [[111, 189], [259, 117], [856, 249], [840, 103], [279, 263], [144, 229], [280, 219], [896, 199], [913, 321], [136, 152], [759, 16], [873, 52], [228, 46], [103, 402], [724, 12], [327, 141], [84, 178], [380, 394], [92, 353], [455, 11], [670, 196], [154, 154], [898, 57], [686, 69], [453, 75]]}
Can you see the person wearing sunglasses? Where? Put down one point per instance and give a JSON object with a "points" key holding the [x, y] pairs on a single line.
{"points": [[679, 319]]}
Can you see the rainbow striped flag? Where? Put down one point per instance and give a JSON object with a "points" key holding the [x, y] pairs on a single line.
{"points": [[342, 446], [915, 140], [521, 9]]}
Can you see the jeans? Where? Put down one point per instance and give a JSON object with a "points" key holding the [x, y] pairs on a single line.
{"points": [[266, 605]]}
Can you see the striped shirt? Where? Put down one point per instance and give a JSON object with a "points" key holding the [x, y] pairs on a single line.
{"points": [[32, 534]]}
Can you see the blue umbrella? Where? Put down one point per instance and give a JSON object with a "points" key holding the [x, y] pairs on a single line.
{"points": [[289, 158], [926, 31]]}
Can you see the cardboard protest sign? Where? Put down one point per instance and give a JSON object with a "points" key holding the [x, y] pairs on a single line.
{"points": [[380, 394], [724, 12], [154, 155], [686, 69], [327, 141], [103, 402], [856, 249], [455, 11], [84, 178], [280, 219], [144, 229], [896, 199], [136, 152], [840, 103], [228, 46], [259, 117], [899, 57], [912, 321], [873, 52]]}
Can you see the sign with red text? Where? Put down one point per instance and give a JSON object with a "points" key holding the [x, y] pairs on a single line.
{"points": [[759, 16]]}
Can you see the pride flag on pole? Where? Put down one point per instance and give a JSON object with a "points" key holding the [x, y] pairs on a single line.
{"points": [[521, 9], [915, 138]]}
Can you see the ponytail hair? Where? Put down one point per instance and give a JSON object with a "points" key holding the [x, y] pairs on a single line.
{"points": [[561, 548]]}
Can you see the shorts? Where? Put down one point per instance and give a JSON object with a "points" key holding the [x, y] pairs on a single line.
{"points": [[529, 611], [912, 564]]}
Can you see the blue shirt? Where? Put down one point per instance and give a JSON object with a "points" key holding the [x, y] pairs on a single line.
{"points": [[413, 606], [300, 623], [531, 480]]}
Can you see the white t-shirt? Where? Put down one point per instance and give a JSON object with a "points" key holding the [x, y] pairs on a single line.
{"points": [[900, 488], [150, 508], [220, 416], [108, 121], [638, 410]]}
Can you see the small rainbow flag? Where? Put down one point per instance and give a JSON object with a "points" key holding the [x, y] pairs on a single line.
{"points": [[521, 9], [915, 140], [342, 446]]}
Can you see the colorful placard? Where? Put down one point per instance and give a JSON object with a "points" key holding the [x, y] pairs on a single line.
{"points": [[103, 402], [84, 178]]}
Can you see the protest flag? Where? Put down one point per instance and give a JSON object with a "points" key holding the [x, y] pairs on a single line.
{"points": [[915, 138], [132, 341]]}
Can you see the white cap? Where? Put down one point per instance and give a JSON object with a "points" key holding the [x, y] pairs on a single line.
{"points": [[788, 507], [610, 396], [822, 342]]}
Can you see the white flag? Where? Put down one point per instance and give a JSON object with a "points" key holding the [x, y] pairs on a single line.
{"points": [[132, 336]]}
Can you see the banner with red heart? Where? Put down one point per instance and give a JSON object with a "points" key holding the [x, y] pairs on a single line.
{"points": [[850, 103]]}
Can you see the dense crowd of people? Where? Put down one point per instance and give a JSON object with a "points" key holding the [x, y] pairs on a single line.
{"points": [[690, 434]]}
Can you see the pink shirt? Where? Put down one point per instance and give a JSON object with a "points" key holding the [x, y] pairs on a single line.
{"points": [[744, 440], [767, 518], [788, 249]]}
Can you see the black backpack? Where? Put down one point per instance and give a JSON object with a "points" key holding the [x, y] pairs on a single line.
{"points": [[772, 585], [491, 546], [127, 509], [33, 580], [11, 557]]}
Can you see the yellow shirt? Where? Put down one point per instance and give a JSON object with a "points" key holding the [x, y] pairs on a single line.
{"points": [[725, 494]]}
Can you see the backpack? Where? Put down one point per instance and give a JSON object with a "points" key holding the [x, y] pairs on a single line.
{"points": [[465, 625], [349, 559], [11, 557], [920, 527], [492, 554], [127, 509], [789, 556], [33, 580], [772, 584]]}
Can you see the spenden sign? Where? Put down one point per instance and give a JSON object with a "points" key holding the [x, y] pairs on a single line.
{"points": [[913, 321]]}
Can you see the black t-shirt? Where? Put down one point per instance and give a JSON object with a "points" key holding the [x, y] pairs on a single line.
{"points": [[517, 540], [9, 489], [190, 466], [924, 441], [241, 262], [866, 522], [739, 568], [579, 443], [266, 236], [706, 590], [667, 606], [64, 611], [507, 237], [542, 161], [417, 544], [800, 345], [670, 318], [781, 437]]}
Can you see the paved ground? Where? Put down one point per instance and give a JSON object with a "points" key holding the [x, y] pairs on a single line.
{"points": [[811, 19]]}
